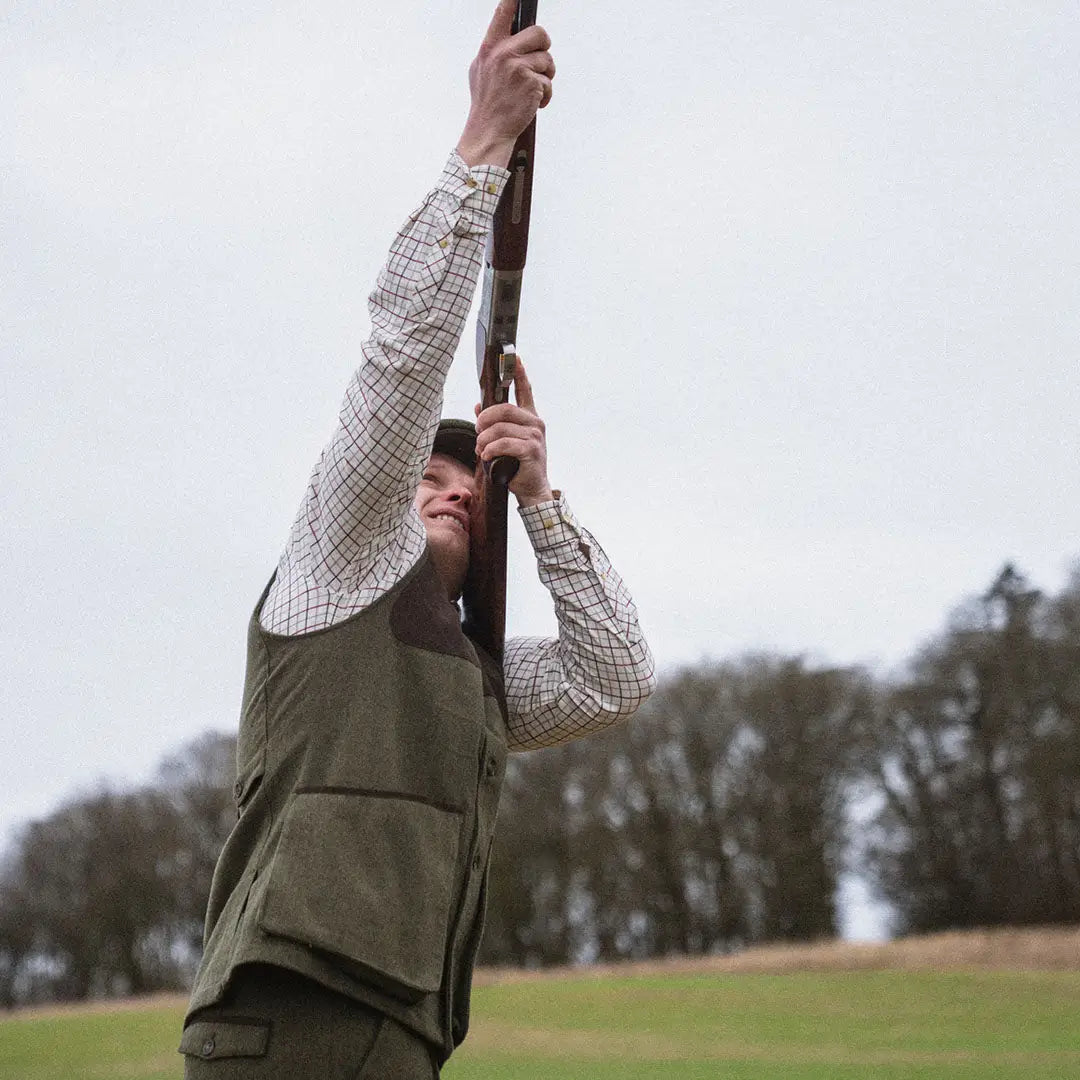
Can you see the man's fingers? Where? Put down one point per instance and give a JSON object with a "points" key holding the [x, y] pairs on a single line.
{"points": [[512, 440], [513, 427], [543, 63], [523, 392], [522, 426], [506, 447], [530, 40], [502, 22]]}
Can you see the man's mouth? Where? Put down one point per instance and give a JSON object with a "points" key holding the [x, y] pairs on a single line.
{"points": [[456, 519]]}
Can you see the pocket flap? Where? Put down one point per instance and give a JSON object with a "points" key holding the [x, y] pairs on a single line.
{"points": [[235, 1037]]}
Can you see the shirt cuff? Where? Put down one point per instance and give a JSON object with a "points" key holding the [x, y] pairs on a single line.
{"points": [[552, 524], [476, 191]]}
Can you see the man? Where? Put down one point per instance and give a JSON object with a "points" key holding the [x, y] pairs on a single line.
{"points": [[347, 905]]}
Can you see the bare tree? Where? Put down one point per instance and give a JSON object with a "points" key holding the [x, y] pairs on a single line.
{"points": [[197, 783], [106, 895], [715, 818], [976, 760]]}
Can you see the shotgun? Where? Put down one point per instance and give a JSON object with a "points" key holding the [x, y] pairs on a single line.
{"points": [[484, 596]]}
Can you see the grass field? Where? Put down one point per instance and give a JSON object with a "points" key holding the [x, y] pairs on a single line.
{"points": [[800, 1026], [797, 1025]]}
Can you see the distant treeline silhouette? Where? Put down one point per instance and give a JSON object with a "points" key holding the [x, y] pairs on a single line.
{"points": [[720, 817]]}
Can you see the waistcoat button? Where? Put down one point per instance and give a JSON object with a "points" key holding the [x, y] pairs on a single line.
{"points": [[492, 767], [208, 1048]]}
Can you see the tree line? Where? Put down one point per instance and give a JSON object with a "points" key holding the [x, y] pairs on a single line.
{"points": [[722, 816]]}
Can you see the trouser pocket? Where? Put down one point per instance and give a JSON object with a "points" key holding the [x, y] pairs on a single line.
{"points": [[209, 1046], [276, 1025]]}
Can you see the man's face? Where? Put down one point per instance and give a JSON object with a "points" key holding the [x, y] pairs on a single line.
{"points": [[443, 501]]}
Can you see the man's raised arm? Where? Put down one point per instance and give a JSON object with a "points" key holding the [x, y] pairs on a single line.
{"points": [[356, 534], [599, 670]]}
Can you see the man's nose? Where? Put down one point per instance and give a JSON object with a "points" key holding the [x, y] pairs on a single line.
{"points": [[460, 494]]}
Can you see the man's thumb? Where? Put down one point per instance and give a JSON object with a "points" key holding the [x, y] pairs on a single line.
{"points": [[502, 22]]}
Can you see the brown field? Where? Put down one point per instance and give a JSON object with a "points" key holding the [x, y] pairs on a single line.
{"points": [[1028, 949]]}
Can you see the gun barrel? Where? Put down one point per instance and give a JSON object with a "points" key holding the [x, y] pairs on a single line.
{"points": [[484, 597]]}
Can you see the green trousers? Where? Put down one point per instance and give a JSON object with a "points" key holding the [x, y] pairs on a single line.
{"points": [[276, 1025]]}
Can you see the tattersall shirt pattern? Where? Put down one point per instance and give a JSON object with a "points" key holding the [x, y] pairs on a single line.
{"points": [[357, 533]]}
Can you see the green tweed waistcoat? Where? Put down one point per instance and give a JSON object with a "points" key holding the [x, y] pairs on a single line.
{"points": [[369, 763]]}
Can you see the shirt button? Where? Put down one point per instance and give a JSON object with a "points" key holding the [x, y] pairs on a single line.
{"points": [[208, 1048], [471, 182], [444, 243], [491, 189]]}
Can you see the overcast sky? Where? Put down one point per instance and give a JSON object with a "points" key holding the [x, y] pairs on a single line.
{"points": [[800, 311]]}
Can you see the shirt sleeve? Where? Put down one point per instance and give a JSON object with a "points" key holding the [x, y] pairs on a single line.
{"points": [[599, 670], [357, 534]]}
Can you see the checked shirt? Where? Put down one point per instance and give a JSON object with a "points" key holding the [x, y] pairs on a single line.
{"points": [[357, 533]]}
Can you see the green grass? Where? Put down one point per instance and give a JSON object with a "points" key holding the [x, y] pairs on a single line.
{"points": [[840, 1026], [135, 1044], [893, 1025]]}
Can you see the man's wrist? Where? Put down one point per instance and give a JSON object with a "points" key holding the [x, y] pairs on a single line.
{"points": [[552, 527], [547, 495], [484, 149]]}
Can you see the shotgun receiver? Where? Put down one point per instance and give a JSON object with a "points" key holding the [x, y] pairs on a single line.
{"points": [[484, 596]]}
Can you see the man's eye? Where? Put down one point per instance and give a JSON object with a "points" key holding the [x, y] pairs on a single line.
{"points": [[429, 477]]}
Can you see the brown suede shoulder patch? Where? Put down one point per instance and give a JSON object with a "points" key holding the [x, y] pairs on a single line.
{"points": [[424, 618]]}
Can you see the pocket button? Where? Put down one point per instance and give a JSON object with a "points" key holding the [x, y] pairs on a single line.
{"points": [[208, 1048]]}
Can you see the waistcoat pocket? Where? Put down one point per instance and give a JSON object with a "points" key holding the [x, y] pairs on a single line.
{"points": [[368, 878]]}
